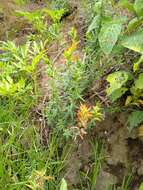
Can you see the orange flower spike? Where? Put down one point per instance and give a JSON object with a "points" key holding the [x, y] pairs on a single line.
{"points": [[84, 115]]}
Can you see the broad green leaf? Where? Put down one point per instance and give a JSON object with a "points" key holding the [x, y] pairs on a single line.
{"points": [[94, 24], [108, 35], [134, 41], [141, 187], [117, 80], [135, 119], [63, 185], [139, 82], [138, 6], [117, 93], [127, 5], [134, 24]]}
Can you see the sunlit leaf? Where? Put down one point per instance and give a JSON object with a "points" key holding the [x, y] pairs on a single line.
{"points": [[116, 81], [63, 185], [55, 14], [139, 82], [137, 64], [128, 100], [134, 41], [108, 35]]}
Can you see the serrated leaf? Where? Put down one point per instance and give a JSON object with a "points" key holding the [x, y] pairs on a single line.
{"points": [[135, 119], [108, 35], [138, 6], [134, 41], [139, 82], [63, 185], [94, 24]]}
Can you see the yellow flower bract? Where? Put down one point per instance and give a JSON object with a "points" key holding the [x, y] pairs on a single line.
{"points": [[84, 115]]}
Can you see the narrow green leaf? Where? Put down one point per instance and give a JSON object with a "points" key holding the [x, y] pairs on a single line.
{"points": [[36, 60], [55, 15], [137, 64], [63, 185], [94, 24]]}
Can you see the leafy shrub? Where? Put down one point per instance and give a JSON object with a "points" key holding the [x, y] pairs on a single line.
{"points": [[18, 83], [118, 87], [39, 22]]}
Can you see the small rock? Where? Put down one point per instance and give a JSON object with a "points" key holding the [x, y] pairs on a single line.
{"points": [[140, 169]]}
